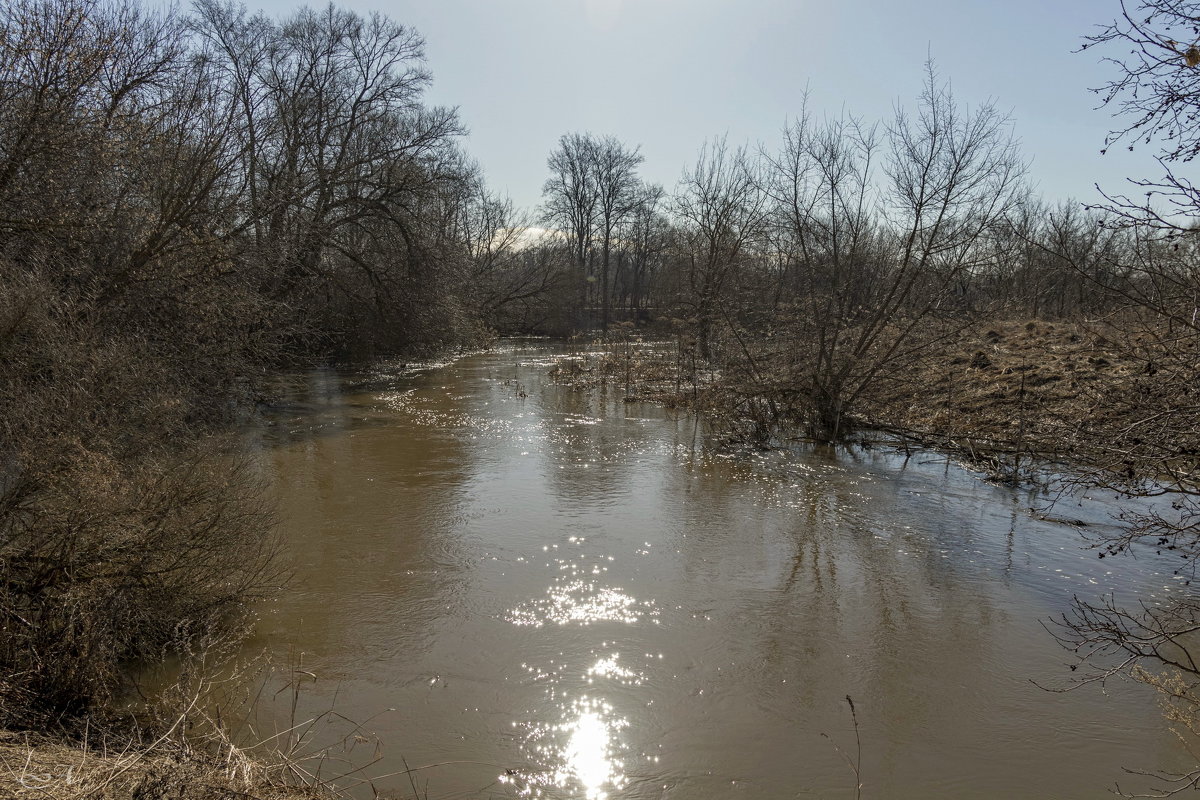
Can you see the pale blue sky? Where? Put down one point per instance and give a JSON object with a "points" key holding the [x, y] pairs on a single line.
{"points": [[667, 74]]}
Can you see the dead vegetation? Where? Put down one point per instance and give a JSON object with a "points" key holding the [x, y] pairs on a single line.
{"points": [[1075, 392], [158, 254], [1000, 386], [226, 727], [128, 526], [1037, 387], [41, 767]]}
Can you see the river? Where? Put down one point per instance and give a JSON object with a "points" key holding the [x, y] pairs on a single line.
{"points": [[521, 589]]}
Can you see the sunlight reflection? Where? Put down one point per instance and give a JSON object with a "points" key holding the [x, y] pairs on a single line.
{"points": [[609, 668], [580, 752], [582, 602], [588, 757]]}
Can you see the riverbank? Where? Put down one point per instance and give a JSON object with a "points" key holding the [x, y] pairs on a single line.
{"points": [[41, 766], [1033, 385], [997, 394]]}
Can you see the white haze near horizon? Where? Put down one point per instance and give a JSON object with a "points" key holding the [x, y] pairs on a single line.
{"points": [[666, 75]]}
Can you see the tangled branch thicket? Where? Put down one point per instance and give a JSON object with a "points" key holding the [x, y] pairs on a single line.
{"points": [[187, 201]]}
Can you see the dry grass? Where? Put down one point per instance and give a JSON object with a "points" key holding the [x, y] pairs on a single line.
{"points": [[665, 371], [1002, 392], [201, 737], [40, 767], [990, 381], [1109, 397]]}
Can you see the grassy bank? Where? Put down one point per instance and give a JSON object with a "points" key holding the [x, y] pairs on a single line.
{"points": [[39, 766], [999, 393], [216, 725]]}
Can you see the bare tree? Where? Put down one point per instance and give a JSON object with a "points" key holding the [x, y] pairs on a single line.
{"points": [[645, 240], [338, 156], [572, 199], [592, 189], [508, 272], [871, 263], [126, 331], [617, 196], [182, 201], [721, 206], [1154, 91], [825, 212], [1142, 435]]}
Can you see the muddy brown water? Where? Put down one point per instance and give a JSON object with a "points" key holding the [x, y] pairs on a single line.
{"points": [[519, 589]]}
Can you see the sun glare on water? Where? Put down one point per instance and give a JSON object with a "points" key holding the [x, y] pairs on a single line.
{"points": [[587, 758], [580, 754]]}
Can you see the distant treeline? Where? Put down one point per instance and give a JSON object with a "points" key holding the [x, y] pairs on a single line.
{"points": [[833, 260]]}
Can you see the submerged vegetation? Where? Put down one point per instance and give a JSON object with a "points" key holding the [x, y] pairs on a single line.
{"points": [[189, 200]]}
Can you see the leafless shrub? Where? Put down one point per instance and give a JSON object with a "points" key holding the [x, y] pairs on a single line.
{"points": [[183, 201], [122, 532]]}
